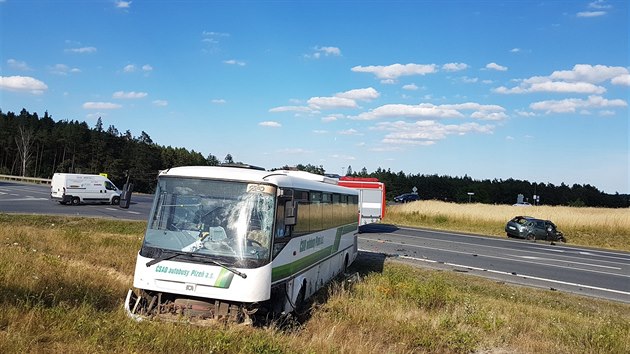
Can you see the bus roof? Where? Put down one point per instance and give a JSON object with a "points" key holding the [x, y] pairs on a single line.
{"points": [[281, 178]]}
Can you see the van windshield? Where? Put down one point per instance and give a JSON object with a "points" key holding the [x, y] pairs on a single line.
{"points": [[229, 220]]}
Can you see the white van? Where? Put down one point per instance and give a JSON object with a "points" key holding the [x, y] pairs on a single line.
{"points": [[79, 188]]}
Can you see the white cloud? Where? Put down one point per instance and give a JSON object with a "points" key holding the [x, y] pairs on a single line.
{"points": [[426, 132], [270, 124], [591, 13], [331, 118], [572, 105], [101, 105], [300, 109], [331, 102], [349, 132], [129, 95], [234, 62], [320, 131], [599, 4], [22, 84], [563, 87], [392, 72], [365, 94], [343, 157], [218, 101], [62, 69], [420, 111], [324, 51], [82, 50], [454, 67], [515, 50], [469, 80], [495, 66], [147, 67], [472, 106], [525, 114], [18, 65], [589, 73], [123, 4], [410, 87], [329, 51], [129, 68], [428, 110], [621, 80], [581, 79], [160, 103], [485, 115]]}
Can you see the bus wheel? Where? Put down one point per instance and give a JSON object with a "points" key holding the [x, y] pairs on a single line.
{"points": [[300, 301]]}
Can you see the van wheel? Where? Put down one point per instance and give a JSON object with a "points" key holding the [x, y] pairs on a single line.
{"points": [[75, 201], [115, 200]]}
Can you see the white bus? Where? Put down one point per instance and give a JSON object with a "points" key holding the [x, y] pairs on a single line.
{"points": [[234, 243]]}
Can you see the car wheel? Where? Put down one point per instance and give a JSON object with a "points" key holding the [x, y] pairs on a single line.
{"points": [[115, 200], [531, 237]]}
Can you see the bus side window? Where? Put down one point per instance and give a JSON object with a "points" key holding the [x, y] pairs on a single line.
{"points": [[281, 228]]}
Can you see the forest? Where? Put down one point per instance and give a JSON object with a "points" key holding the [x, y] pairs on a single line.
{"points": [[34, 146]]}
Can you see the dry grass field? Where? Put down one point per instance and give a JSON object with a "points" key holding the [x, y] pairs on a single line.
{"points": [[63, 282], [593, 227]]}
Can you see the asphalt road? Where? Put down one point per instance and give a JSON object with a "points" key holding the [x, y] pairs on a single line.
{"points": [[586, 271], [35, 199], [561, 267]]}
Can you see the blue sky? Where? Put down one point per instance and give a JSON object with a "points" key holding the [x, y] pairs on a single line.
{"points": [[534, 90]]}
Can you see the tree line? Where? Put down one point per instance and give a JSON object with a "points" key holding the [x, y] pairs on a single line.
{"points": [[35, 146]]}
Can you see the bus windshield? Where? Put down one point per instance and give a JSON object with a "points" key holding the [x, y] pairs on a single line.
{"points": [[229, 220]]}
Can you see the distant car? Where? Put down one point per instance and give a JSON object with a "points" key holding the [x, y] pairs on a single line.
{"points": [[530, 228], [522, 204], [407, 197]]}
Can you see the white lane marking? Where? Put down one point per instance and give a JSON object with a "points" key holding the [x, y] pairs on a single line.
{"points": [[501, 258], [30, 199], [624, 258], [133, 212], [522, 276], [563, 261]]}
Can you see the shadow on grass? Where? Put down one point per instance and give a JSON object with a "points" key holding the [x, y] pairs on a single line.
{"points": [[364, 264]]}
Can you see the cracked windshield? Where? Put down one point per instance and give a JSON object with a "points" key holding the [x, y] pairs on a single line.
{"points": [[219, 218]]}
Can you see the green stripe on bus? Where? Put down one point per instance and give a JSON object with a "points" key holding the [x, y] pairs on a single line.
{"points": [[286, 270], [224, 279]]}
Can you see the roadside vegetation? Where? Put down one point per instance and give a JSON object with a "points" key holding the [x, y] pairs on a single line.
{"points": [[591, 227], [63, 282]]}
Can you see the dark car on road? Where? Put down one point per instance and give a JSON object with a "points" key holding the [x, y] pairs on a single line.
{"points": [[407, 197], [531, 228]]}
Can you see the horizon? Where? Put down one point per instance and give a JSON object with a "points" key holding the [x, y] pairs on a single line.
{"points": [[532, 91]]}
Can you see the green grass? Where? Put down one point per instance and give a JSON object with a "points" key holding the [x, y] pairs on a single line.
{"points": [[62, 287]]}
